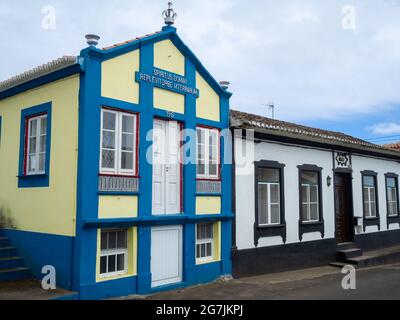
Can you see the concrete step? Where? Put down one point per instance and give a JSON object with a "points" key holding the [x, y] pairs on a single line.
{"points": [[4, 242], [378, 257], [338, 264], [13, 274], [345, 255], [6, 252], [11, 262], [346, 246], [388, 255]]}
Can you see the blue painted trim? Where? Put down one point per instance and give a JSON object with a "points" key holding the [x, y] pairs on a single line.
{"points": [[51, 77], [155, 220], [41, 180], [166, 33], [118, 104], [88, 223]]}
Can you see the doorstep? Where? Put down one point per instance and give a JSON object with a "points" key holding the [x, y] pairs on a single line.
{"points": [[387, 255]]}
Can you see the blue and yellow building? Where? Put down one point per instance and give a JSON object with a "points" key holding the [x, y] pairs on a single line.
{"points": [[111, 168]]}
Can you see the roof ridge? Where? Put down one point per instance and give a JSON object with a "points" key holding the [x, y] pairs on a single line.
{"points": [[41, 70], [268, 123], [116, 45]]}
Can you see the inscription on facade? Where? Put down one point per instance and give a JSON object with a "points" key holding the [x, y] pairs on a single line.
{"points": [[167, 80]]}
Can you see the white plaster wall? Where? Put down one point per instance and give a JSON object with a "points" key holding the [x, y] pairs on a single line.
{"points": [[361, 163], [245, 193]]}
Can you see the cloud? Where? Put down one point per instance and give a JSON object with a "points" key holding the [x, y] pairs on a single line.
{"points": [[385, 128], [292, 52]]}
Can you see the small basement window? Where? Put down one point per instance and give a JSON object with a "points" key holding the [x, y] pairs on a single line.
{"points": [[205, 242], [114, 252]]}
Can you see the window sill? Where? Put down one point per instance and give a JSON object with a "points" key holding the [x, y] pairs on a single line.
{"points": [[33, 181], [372, 221], [310, 227], [278, 230], [203, 262], [209, 179], [32, 176], [272, 226], [311, 223], [104, 278], [393, 219]]}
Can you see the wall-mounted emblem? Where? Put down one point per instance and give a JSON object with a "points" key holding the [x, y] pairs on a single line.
{"points": [[167, 80], [342, 160]]}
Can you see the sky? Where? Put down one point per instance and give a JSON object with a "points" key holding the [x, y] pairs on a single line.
{"points": [[330, 64]]}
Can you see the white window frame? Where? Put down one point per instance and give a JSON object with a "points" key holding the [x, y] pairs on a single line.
{"points": [[114, 252], [308, 203], [370, 202], [270, 204], [389, 190], [37, 154], [207, 133], [204, 242], [117, 170]]}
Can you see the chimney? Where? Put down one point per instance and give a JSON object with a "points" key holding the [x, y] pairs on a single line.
{"points": [[224, 84], [92, 40]]}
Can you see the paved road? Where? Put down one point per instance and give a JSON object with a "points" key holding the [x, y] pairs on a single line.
{"points": [[324, 283]]}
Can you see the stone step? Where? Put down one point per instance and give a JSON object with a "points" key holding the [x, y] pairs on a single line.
{"points": [[346, 246], [4, 242], [370, 259], [338, 264], [7, 252], [345, 255], [13, 274], [11, 262], [388, 255]]}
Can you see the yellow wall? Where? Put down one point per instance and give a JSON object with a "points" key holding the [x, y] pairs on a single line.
{"points": [[132, 256], [168, 57], [111, 207], [208, 205], [52, 209], [118, 77], [168, 100], [208, 103]]}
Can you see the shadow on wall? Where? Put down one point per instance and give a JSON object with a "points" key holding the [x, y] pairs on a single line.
{"points": [[6, 222]]}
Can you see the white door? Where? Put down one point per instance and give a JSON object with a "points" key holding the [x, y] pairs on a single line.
{"points": [[166, 168], [166, 255]]}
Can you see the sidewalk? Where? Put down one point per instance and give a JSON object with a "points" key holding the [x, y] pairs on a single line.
{"points": [[30, 290]]}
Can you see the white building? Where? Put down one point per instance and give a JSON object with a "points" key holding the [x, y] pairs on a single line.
{"points": [[305, 197]]}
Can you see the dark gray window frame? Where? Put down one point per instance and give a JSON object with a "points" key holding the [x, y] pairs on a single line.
{"points": [[273, 230], [392, 219], [368, 222], [309, 227]]}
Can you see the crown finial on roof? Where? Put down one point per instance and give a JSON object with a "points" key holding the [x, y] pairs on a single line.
{"points": [[169, 15]]}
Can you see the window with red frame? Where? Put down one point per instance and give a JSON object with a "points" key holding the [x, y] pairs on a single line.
{"points": [[208, 146], [36, 140], [118, 143]]}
